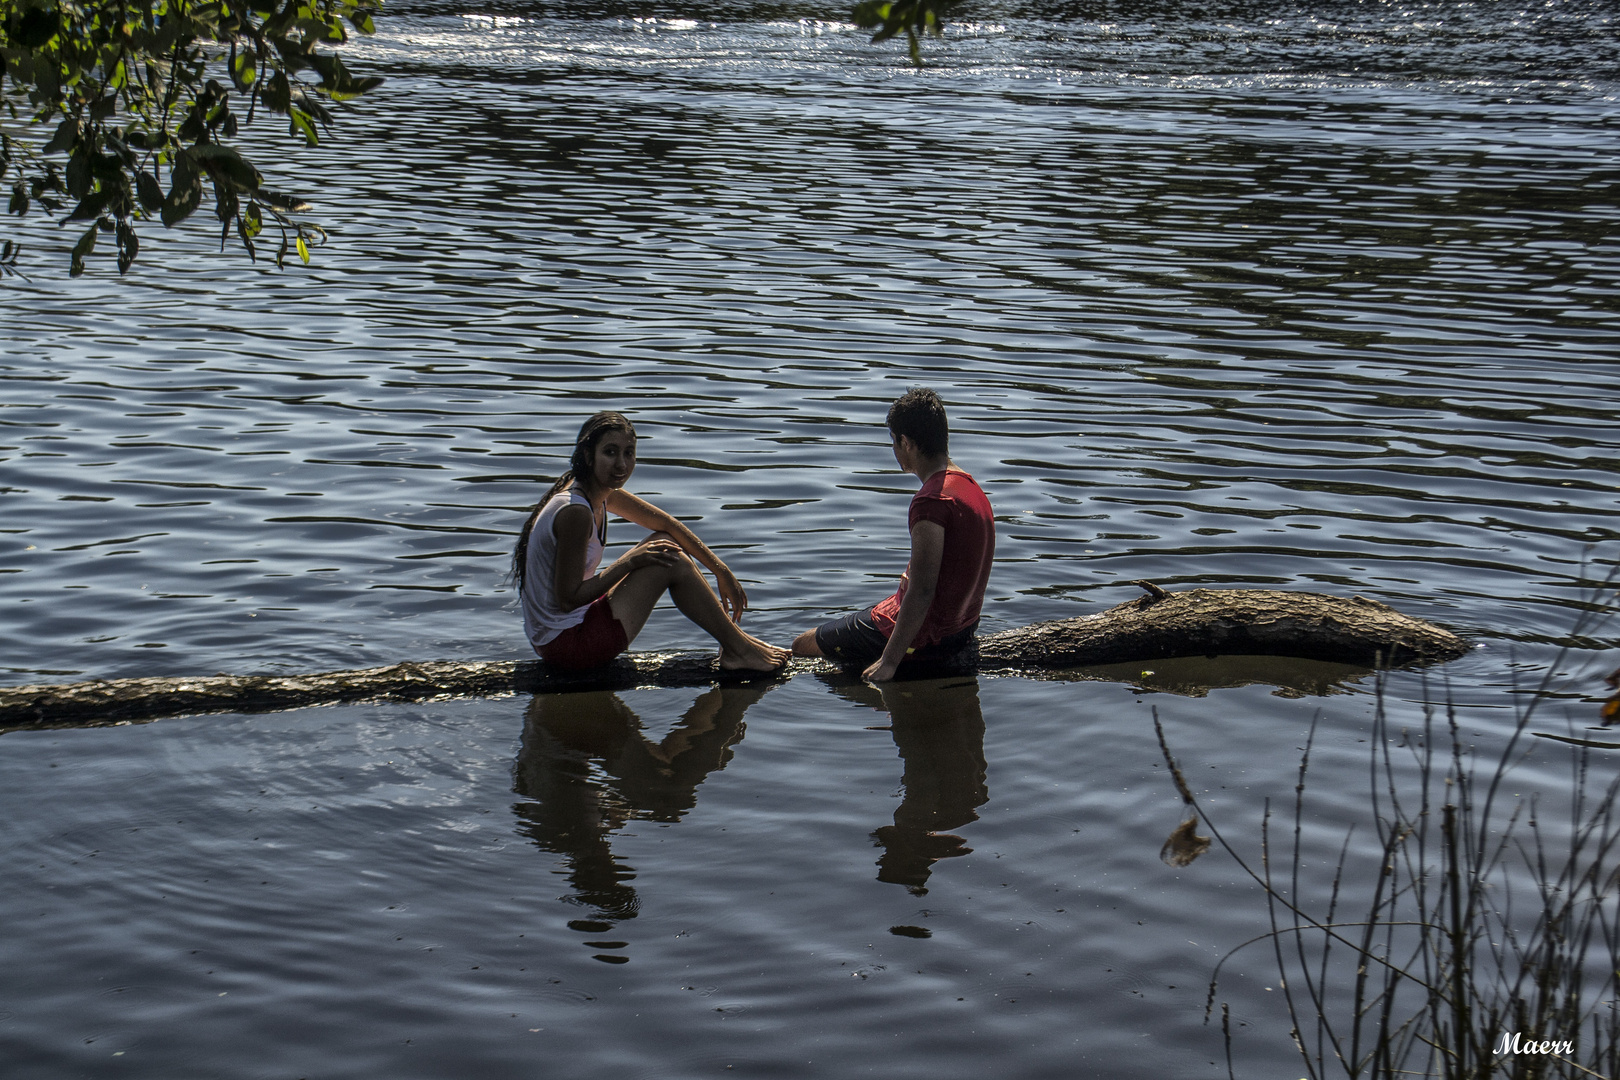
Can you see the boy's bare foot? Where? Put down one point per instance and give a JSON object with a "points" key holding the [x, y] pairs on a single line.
{"points": [[755, 655]]}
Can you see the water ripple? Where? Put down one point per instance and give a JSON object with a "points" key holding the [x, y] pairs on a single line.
{"points": [[1263, 321]]}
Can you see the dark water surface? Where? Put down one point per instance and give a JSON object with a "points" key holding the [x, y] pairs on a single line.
{"points": [[1321, 297]]}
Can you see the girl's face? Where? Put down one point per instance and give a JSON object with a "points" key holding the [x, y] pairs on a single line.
{"points": [[615, 460]]}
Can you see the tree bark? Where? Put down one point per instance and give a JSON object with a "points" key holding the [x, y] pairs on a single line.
{"points": [[1233, 622], [1156, 626]]}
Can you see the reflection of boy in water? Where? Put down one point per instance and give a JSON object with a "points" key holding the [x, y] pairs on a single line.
{"points": [[939, 730], [953, 538]]}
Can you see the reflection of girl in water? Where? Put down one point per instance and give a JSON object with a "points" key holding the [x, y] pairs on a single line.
{"points": [[577, 617], [587, 769]]}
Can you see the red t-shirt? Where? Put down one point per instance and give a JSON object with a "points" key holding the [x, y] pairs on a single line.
{"points": [[952, 500]]}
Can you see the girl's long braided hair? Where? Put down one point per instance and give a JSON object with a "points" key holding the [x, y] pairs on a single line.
{"points": [[590, 433]]}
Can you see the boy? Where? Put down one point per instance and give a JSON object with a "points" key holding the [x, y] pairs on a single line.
{"points": [[953, 537]]}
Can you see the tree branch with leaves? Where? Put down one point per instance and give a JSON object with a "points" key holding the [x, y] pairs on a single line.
{"points": [[913, 18], [147, 97]]}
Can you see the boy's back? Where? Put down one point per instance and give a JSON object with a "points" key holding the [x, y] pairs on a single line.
{"points": [[953, 540], [953, 500]]}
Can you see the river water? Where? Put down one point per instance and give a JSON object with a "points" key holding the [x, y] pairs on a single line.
{"points": [[1317, 296]]}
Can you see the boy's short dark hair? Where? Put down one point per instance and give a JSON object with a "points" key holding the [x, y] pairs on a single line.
{"points": [[920, 416]]}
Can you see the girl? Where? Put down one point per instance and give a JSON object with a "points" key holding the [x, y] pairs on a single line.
{"points": [[577, 617]]}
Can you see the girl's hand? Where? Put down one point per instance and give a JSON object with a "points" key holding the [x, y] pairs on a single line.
{"points": [[655, 553], [732, 597]]}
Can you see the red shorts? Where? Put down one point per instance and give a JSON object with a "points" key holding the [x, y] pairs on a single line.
{"points": [[589, 644]]}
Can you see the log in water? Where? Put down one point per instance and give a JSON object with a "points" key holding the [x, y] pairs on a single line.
{"points": [[1156, 626], [1233, 622]]}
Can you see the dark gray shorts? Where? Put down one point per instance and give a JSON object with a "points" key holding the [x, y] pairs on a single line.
{"points": [[854, 640]]}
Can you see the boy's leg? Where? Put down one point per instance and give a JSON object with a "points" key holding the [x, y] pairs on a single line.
{"points": [[805, 644], [851, 640]]}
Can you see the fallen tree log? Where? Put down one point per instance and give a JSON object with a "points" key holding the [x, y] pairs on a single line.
{"points": [[1232, 622], [1156, 626]]}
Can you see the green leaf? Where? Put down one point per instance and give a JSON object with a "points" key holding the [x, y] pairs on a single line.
{"points": [[299, 124], [310, 104], [277, 92], [365, 85], [230, 164], [185, 194], [121, 156], [129, 245], [871, 13], [48, 80], [77, 175], [285, 203], [354, 88], [67, 134], [330, 68], [195, 126], [136, 100], [910, 17], [336, 82], [36, 27], [91, 206], [244, 70], [149, 192], [85, 246]]}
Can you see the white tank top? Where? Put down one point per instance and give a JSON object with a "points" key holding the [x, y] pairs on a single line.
{"points": [[543, 616]]}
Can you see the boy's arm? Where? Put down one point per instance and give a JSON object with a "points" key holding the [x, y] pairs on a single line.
{"points": [[927, 552]]}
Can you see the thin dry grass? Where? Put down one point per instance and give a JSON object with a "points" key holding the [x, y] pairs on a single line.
{"points": [[1472, 915]]}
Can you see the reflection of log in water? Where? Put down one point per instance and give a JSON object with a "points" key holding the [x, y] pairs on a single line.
{"points": [[1193, 622], [587, 769], [938, 727]]}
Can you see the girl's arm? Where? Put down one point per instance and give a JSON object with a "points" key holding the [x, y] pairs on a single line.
{"points": [[650, 517], [572, 528]]}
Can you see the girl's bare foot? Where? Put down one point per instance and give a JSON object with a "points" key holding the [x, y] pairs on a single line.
{"points": [[754, 655]]}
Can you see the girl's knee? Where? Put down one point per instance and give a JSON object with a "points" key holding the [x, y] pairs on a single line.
{"points": [[678, 567], [682, 561]]}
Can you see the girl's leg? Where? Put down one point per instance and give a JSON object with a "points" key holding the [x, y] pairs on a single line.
{"points": [[633, 598]]}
